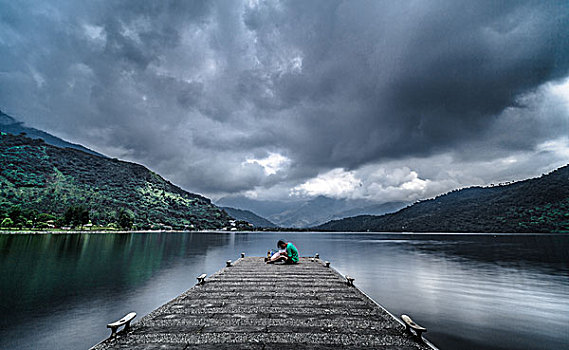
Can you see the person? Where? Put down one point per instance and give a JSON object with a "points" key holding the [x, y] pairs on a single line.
{"points": [[287, 253]]}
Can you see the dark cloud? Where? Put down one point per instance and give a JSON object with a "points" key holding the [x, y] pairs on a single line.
{"points": [[195, 89]]}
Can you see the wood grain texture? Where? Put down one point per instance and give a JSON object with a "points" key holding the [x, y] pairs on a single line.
{"points": [[252, 305]]}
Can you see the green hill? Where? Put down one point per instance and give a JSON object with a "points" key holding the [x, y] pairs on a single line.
{"points": [[39, 181], [535, 205]]}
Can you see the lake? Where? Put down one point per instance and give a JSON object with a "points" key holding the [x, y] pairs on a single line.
{"points": [[471, 291]]}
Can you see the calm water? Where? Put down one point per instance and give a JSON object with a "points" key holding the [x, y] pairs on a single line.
{"points": [[470, 291]]}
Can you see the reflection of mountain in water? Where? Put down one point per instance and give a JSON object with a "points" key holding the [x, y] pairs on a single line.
{"points": [[115, 262], [503, 249], [462, 286]]}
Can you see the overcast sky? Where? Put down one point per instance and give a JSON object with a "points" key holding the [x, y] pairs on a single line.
{"points": [[384, 100]]}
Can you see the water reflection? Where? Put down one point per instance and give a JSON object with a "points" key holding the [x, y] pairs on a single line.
{"points": [[474, 292], [471, 291], [64, 284]]}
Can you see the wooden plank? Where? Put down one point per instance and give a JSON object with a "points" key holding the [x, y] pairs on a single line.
{"points": [[252, 305]]}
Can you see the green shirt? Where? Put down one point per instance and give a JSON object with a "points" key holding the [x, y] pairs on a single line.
{"points": [[292, 252]]}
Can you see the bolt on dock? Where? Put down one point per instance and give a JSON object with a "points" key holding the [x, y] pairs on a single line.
{"points": [[253, 305]]}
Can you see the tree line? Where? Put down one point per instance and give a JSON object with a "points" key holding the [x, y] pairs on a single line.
{"points": [[15, 217]]}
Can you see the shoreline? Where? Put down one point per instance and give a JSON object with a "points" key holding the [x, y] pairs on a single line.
{"points": [[80, 232]]}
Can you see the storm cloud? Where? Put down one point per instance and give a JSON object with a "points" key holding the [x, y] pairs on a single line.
{"points": [[278, 98]]}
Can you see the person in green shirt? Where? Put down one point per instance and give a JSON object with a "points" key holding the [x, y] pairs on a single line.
{"points": [[289, 253]]}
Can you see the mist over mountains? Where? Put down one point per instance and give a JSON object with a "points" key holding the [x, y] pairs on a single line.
{"points": [[301, 213], [534, 205], [309, 212], [12, 126]]}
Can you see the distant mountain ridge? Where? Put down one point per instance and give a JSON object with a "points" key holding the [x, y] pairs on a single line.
{"points": [[264, 208], [249, 216], [374, 209], [309, 212], [11, 126], [533, 205], [37, 176]]}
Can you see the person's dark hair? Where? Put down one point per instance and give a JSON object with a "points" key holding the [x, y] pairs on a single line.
{"points": [[280, 242]]}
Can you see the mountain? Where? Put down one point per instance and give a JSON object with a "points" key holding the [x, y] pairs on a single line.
{"points": [[310, 212], [534, 205], [249, 216], [10, 125], [38, 177], [263, 208], [375, 209]]}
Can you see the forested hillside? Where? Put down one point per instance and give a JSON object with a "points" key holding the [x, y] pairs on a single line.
{"points": [[40, 182], [534, 205]]}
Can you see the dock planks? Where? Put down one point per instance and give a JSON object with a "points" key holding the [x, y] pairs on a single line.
{"points": [[252, 305]]}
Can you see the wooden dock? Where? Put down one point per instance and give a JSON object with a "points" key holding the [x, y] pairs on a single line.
{"points": [[252, 305]]}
